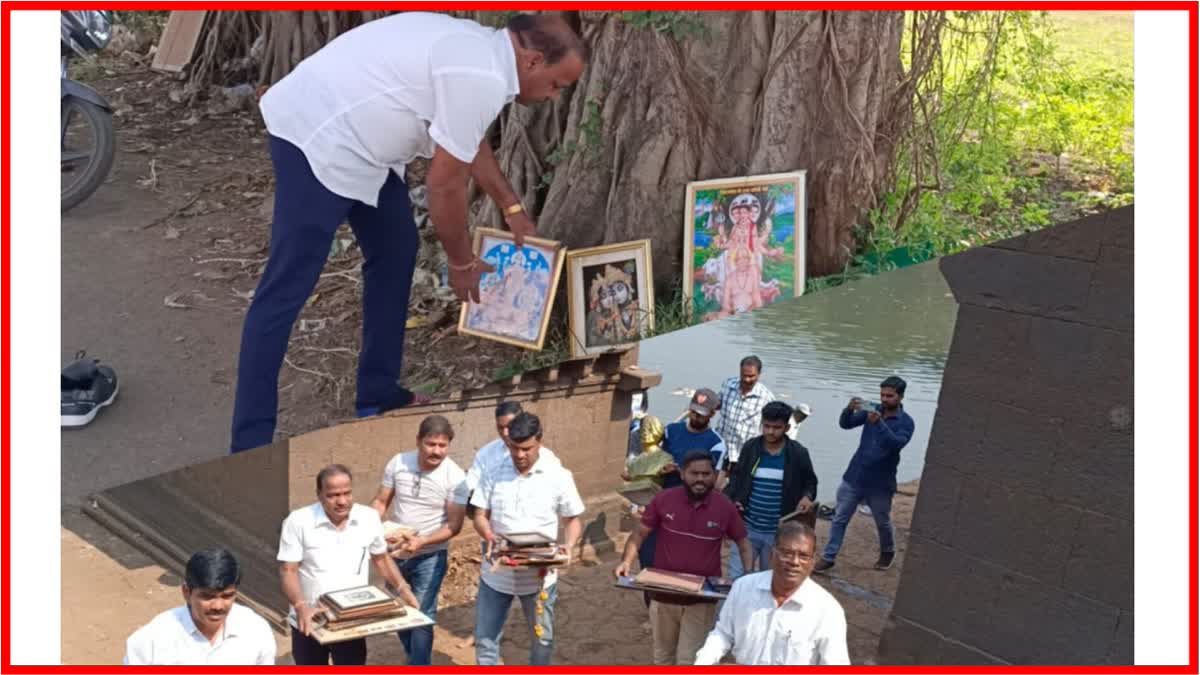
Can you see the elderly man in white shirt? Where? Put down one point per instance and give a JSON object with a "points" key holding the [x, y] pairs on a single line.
{"points": [[325, 547], [525, 494], [423, 491], [341, 127], [780, 617], [209, 629]]}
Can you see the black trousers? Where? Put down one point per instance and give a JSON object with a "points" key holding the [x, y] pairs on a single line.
{"points": [[306, 651]]}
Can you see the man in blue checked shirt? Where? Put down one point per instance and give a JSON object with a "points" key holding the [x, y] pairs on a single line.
{"points": [[871, 476], [742, 401]]}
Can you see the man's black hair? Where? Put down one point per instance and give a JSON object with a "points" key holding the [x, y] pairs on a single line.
{"points": [[752, 361], [548, 34], [212, 569], [894, 382], [524, 426], [507, 408], [697, 456], [331, 471], [776, 411]]}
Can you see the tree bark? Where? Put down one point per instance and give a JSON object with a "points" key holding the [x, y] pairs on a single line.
{"points": [[757, 92], [764, 92]]}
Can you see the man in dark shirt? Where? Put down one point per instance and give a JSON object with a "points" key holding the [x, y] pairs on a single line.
{"points": [[774, 478], [693, 433], [871, 476], [692, 522]]}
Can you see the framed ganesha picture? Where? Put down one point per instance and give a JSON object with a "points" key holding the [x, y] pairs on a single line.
{"points": [[744, 243], [514, 299], [610, 297]]}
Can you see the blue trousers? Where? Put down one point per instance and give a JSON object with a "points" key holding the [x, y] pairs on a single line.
{"points": [[306, 217], [491, 611], [848, 499], [761, 544], [424, 575]]}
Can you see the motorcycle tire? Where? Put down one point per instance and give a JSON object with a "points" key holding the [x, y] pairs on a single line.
{"points": [[101, 161]]}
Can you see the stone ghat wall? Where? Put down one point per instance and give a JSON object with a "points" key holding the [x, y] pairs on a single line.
{"points": [[1021, 548]]}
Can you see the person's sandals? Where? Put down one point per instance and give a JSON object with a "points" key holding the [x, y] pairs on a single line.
{"points": [[402, 398], [822, 566], [885, 561]]}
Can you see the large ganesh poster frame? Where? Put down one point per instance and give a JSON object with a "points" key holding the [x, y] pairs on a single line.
{"points": [[744, 243]]}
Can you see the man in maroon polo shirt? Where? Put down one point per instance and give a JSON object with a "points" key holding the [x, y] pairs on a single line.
{"points": [[692, 522]]}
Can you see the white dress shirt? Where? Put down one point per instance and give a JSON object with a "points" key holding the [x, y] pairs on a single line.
{"points": [[489, 457], [532, 502], [808, 629], [172, 639], [331, 559], [383, 93], [419, 497]]}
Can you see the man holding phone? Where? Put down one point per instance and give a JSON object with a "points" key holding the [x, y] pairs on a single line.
{"points": [[871, 476]]}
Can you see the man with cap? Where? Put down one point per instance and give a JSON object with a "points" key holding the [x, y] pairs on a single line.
{"points": [[800, 413], [692, 433]]}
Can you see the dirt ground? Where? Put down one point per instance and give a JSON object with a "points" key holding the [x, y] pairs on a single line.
{"points": [[110, 589]]}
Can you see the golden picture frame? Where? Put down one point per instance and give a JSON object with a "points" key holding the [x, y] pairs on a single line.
{"points": [[515, 299], [610, 297], [732, 265]]}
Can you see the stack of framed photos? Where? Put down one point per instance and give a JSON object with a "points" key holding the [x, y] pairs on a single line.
{"points": [[357, 606]]}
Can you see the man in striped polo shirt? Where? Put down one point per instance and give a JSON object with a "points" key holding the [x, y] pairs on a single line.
{"points": [[774, 478]]}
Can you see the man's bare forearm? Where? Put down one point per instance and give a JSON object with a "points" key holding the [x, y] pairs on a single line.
{"points": [[448, 210], [290, 577], [486, 172], [631, 547]]}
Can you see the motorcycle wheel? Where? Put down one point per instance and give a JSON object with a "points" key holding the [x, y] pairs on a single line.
{"points": [[84, 170]]}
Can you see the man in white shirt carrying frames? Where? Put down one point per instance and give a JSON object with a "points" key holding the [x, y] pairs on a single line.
{"points": [[328, 546], [780, 617], [526, 494]]}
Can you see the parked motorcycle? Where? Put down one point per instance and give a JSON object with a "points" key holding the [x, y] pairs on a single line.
{"points": [[88, 140]]}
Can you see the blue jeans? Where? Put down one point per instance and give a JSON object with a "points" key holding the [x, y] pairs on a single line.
{"points": [[491, 611], [760, 554], [424, 574], [307, 214], [848, 499]]}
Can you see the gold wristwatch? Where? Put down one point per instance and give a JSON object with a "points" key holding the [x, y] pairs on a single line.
{"points": [[514, 209]]}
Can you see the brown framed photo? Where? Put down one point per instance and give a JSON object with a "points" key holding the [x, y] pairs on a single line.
{"points": [[515, 299], [610, 297], [743, 243]]}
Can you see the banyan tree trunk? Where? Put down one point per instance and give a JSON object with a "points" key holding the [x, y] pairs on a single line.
{"points": [[753, 92], [762, 92]]}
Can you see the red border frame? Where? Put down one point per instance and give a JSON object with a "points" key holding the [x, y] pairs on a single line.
{"points": [[1193, 665]]}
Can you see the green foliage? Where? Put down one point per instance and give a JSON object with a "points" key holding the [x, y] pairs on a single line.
{"points": [[678, 25], [1027, 122]]}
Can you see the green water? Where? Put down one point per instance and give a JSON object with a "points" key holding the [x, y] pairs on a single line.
{"points": [[821, 349]]}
